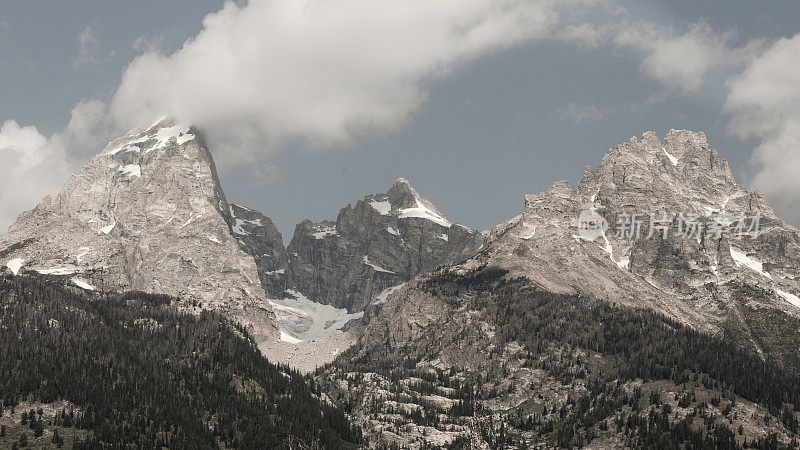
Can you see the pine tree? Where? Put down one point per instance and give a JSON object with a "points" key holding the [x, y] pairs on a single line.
{"points": [[57, 439]]}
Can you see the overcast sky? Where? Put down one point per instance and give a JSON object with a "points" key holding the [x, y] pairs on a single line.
{"points": [[311, 104]]}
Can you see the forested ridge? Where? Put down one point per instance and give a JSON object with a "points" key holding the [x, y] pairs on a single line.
{"points": [[560, 335], [141, 373]]}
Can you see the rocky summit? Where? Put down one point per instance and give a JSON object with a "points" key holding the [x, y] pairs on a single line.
{"points": [[375, 246], [146, 214]]}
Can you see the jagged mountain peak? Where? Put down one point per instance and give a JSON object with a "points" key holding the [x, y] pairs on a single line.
{"points": [[680, 172], [378, 243], [405, 202], [150, 137], [670, 274], [164, 162], [147, 213], [743, 289]]}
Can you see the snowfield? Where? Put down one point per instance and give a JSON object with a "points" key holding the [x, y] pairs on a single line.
{"points": [[301, 319]]}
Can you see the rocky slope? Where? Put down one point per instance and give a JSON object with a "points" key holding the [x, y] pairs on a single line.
{"points": [[739, 289], [147, 214], [374, 246]]}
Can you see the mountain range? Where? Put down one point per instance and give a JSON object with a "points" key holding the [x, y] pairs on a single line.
{"points": [[579, 322]]}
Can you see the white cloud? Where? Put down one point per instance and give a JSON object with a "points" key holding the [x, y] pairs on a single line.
{"points": [[88, 130], [679, 59], [318, 70], [89, 46], [765, 103], [322, 72], [35, 166]]}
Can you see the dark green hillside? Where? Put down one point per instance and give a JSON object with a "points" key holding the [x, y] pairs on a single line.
{"points": [[140, 373]]}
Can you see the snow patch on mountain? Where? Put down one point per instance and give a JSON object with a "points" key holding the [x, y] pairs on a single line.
{"points": [[375, 267], [124, 148], [57, 271], [304, 320], [324, 231], [424, 212], [180, 132], [384, 295], [107, 229], [791, 298], [742, 259], [131, 170], [382, 207], [15, 264], [671, 158], [83, 284], [237, 228]]}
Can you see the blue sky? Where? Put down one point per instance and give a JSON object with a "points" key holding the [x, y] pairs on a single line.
{"points": [[530, 94]]}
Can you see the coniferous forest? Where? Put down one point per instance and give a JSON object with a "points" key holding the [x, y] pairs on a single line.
{"points": [[138, 373], [601, 347], [121, 370]]}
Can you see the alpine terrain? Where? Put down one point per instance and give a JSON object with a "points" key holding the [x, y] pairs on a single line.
{"points": [[652, 305], [549, 337]]}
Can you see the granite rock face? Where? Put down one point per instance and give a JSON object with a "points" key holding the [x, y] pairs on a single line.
{"points": [[260, 238], [374, 246], [147, 214]]}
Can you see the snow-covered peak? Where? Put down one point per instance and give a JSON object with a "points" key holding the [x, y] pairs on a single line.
{"points": [[406, 202], [153, 193], [152, 137]]}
